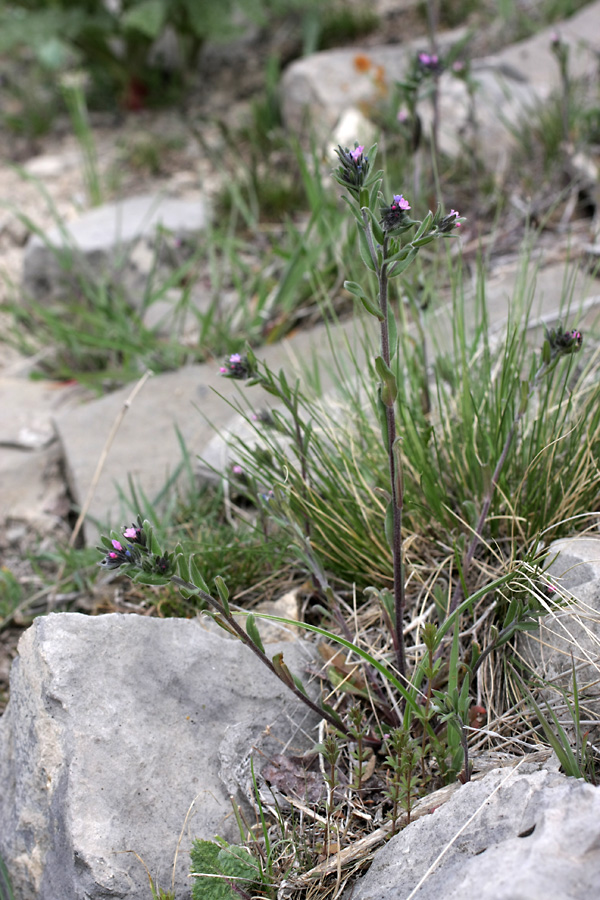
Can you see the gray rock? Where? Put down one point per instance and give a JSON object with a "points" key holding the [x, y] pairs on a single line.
{"points": [[115, 725], [570, 633], [27, 410], [32, 489], [509, 836], [319, 89], [117, 242], [511, 85], [194, 401]]}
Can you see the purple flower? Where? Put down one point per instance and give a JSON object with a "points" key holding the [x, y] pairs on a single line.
{"points": [[450, 222], [430, 62], [130, 533], [117, 557], [236, 366], [563, 343], [353, 168], [237, 470], [395, 215], [399, 202]]}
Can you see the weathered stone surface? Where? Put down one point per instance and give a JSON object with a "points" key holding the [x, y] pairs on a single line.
{"points": [[510, 84], [570, 633], [116, 241], [32, 489], [510, 836], [147, 446], [27, 410], [318, 89], [115, 725]]}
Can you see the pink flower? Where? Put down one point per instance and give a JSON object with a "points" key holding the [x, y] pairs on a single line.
{"points": [[235, 358], [117, 545], [130, 533], [455, 213], [399, 202], [356, 154], [237, 470]]}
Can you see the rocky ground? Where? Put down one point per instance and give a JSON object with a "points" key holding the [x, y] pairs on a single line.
{"points": [[228, 79]]}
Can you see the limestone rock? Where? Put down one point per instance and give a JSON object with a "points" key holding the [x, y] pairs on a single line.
{"points": [[114, 242], [570, 633], [509, 836], [191, 401], [115, 725], [32, 489], [319, 89]]}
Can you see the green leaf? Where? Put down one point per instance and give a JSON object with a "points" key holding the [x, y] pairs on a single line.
{"points": [[150, 578], [223, 593], [147, 17], [424, 226], [368, 304], [389, 389], [398, 267], [195, 576], [253, 632], [365, 252]]}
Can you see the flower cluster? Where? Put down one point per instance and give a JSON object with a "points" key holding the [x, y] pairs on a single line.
{"points": [[133, 550], [119, 556], [396, 214], [450, 222], [235, 366], [563, 343], [429, 62], [353, 168]]}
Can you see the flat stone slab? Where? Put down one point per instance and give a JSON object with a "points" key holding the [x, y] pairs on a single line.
{"points": [[115, 725], [113, 241], [318, 90], [509, 836], [190, 405], [196, 402], [32, 490]]}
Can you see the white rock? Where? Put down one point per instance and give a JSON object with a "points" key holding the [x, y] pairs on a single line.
{"points": [[509, 836], [115, 725]]}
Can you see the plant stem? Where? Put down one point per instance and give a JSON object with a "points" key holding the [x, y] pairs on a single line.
{"points": [[395, 486], [241, 634]]}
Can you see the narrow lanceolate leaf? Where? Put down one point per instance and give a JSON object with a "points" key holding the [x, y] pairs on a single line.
{"points": [[282, 670], [253, 633], [150, 578], [368, 304], [195, 576], [389, 386], [424, 226], [223, 593], [365, 251], [224, 625]]}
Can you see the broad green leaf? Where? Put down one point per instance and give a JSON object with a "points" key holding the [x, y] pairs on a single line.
{"points": [[147, 17]]}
